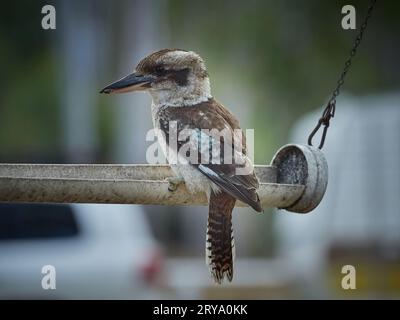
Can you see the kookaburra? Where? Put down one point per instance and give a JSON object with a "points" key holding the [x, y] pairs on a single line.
{"points": [[178, 83]]}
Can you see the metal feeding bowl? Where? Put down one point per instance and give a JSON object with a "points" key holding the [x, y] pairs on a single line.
{"points": [[302, 165]]}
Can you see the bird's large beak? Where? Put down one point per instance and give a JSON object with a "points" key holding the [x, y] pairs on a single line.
{"points": [[132, 82]]}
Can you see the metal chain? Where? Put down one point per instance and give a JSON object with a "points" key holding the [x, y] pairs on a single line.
{"points": [[329, 111]]}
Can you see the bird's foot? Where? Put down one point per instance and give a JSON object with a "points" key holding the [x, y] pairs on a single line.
{"points": [[174, 182]]}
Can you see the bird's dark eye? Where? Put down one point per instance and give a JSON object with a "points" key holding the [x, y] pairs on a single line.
{"points": [[159, 70]]}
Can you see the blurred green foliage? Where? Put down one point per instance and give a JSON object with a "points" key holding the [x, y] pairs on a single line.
{"points": [[29, 116], [290, 54], [287, 53]]}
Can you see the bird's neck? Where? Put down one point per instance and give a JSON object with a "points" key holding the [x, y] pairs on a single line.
{"points": [[183, 96]]}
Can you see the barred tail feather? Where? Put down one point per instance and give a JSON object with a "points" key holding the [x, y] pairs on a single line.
{"points": [[220, 246]]}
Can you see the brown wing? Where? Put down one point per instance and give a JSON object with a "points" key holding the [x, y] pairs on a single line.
{"points": [[211, 115]]}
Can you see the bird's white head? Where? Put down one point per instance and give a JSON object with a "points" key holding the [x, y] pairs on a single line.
{"points": [[173, 77]]}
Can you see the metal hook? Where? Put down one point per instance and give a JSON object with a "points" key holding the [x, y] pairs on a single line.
{"points": [[312, 134], [329, 112]]}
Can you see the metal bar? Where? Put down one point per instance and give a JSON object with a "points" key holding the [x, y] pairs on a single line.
{"points": [[134, 184]]}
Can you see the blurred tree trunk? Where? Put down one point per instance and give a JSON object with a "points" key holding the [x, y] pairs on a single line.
{"points": [[140, 30], [79, 36]]}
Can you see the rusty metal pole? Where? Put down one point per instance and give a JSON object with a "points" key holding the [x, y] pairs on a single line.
{"points": [[135, 184]]}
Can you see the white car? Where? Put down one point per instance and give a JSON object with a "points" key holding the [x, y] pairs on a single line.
{"points": [[97, 251]]}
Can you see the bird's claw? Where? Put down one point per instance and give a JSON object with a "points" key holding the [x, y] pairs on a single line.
{"points": [[174, 182]]}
